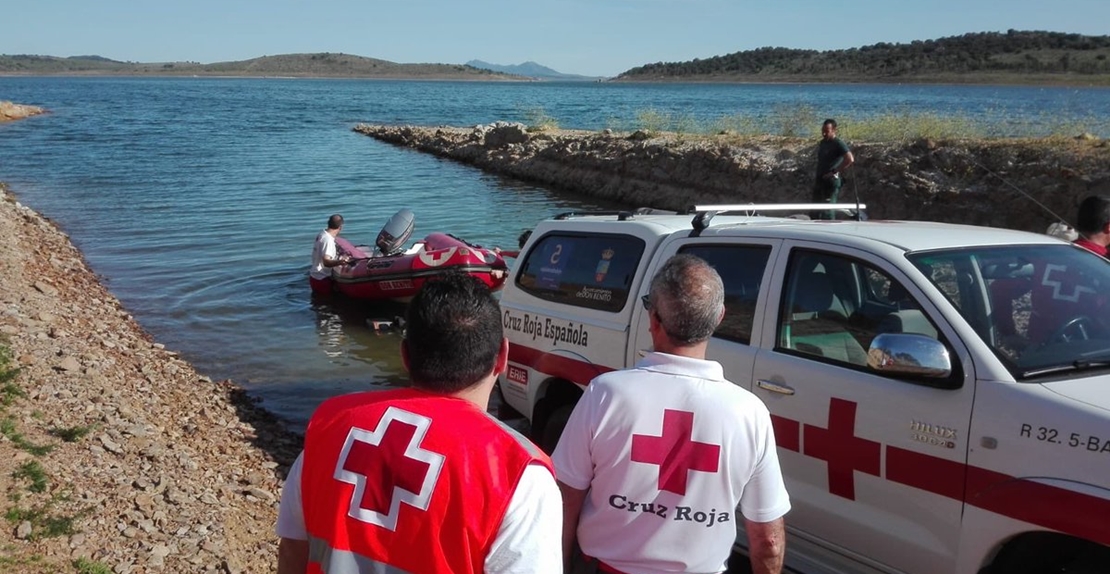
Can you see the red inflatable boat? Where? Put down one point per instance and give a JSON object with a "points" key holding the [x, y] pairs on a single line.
{"points": [[392, 273]]}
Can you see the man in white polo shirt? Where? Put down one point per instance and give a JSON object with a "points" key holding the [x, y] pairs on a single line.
{"points": [[655, 459]]}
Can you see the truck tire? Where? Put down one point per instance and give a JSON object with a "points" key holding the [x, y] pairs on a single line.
{"points": [[556, 422]]}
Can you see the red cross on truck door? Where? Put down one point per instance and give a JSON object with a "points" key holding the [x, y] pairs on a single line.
{"points": [[388, 467], [851, 445]]}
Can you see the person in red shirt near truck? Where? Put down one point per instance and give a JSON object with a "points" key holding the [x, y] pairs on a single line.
{"points": [[423, 480], [1093, 224]]}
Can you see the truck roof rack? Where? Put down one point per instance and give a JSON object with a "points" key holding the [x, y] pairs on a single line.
{"points": [[703, 214], [622, 215]]}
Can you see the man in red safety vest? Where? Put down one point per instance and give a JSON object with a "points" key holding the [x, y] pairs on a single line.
{"points": [[423, 480]]}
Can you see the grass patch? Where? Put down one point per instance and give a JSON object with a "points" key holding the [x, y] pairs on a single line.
{"points": [[796, 120], [72, 434], [84, 566], [908, 126], [799, 120], [9, 391], [652, 121], [34, 559], [33, 472], [7, 428], [537, 120], [45, 524]]}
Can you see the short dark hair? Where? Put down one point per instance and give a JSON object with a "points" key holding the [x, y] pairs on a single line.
{"points": [[1093, 215], [688, 296], [335, 221], [829, 122], [452, 333]]}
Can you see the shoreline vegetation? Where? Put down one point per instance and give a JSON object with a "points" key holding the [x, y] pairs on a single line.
{"points": [[1011, 58]]}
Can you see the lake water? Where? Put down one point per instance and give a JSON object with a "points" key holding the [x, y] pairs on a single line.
{"points": [[198, 199]]}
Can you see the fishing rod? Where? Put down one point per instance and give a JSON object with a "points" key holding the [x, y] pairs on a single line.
{"points": [[1022, 192]]}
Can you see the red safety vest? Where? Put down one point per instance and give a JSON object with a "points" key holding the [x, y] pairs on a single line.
{"points": [[407, 479]]}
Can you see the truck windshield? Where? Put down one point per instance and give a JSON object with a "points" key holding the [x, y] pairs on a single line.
{"points": [[1043, 309]]}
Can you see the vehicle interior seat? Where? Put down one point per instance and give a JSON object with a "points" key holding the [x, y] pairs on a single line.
{"points": [[907, 321], [818, 322], [907, 317]]}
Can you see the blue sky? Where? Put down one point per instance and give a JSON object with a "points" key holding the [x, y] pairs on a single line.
{"points": [[590, 37]]}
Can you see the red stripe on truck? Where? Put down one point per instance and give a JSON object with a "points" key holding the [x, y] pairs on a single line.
{"points": [[557, 364]]}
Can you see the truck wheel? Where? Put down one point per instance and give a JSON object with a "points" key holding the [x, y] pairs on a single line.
{"points": [[556, 422]]}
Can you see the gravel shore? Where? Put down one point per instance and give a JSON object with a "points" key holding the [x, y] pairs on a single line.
{"points": [[115, 454]]}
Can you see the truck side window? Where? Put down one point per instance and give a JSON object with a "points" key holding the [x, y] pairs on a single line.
{"points": [[741, 269], [592, 271], [834, 307]]}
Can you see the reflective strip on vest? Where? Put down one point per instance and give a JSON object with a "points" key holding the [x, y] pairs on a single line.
{"points": [[334, 561]]}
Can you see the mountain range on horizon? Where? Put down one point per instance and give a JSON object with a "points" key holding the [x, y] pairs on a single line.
{"points": [[530, 69], [1011, 57]]}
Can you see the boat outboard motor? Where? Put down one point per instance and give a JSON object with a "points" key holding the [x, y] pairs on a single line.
{"points": [[392, 238]]}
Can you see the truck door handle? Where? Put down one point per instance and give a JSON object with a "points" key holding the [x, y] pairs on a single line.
{"points": [[774, 387]]}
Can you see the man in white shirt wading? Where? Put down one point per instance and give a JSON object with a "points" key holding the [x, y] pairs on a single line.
{"points": [[325, 256], [655, 459]]}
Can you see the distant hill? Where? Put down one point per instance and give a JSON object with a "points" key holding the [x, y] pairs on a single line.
{"points": [[321, 65], [530, 69], [1010, 57]]}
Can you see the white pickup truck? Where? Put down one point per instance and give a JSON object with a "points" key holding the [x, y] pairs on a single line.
{"points": [[940, 393]]}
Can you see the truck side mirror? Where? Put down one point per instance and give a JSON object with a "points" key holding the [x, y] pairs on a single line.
{"points": [[909, 354]]}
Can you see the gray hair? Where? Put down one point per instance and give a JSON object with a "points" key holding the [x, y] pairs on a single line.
{"points": [[688, 297]]}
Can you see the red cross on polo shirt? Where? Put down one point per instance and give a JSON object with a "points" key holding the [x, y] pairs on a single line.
{"points": [[387, 466], [675, 452]]}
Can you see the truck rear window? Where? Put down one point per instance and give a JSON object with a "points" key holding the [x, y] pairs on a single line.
{"points": [[591, 271], [741, 269]]}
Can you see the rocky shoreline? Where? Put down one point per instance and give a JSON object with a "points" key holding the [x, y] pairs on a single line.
{"points": [[115, 454], [980, 182]]}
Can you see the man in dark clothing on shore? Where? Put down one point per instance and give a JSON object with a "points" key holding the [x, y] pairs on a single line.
{"points": [[833, 157]]}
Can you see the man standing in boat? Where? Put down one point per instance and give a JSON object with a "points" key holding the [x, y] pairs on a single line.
{"points": [[325, 256], [833, 157]]}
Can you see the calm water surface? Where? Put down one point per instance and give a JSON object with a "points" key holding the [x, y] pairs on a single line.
{"points": [[198, 199]]}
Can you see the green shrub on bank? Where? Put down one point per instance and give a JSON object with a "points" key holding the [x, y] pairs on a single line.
{"points": [[803, 121], [537, 120], [9, 391], [84, 566], [34, 473]]}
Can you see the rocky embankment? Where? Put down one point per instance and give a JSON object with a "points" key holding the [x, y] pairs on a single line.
{"points": [[981, 182], [115, 454], [10, 111]]}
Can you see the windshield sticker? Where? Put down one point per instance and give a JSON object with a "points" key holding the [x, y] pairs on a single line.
{"points": [[595, 294], [603, 265], [555, 257], [1087, 442]]}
